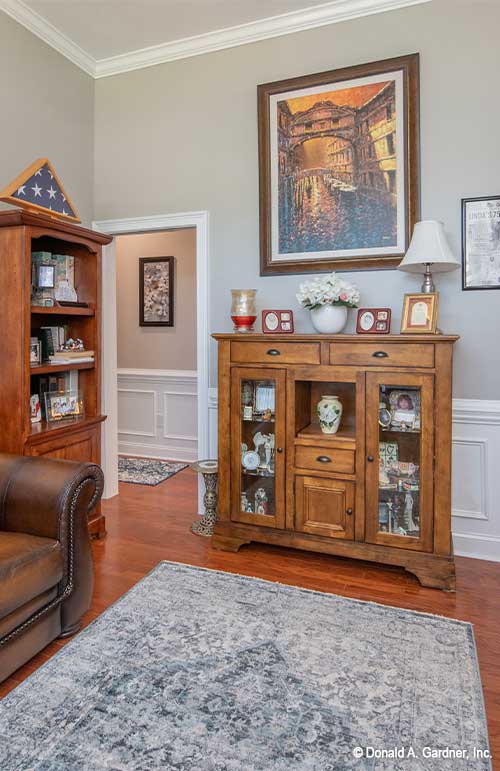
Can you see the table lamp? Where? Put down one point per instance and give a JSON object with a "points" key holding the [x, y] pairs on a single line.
{"points": [[429, 247]]}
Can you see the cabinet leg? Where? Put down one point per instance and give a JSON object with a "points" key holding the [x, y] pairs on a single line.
{"points": [[227, 543], [436, 576]]}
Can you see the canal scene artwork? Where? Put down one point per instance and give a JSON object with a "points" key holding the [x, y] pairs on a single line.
{"points": [[337, 170]]}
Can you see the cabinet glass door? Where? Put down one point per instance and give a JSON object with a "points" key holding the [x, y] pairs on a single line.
{"points": [[399, 461], [258, 446]]}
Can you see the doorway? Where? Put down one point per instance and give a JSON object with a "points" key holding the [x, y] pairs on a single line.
{"points": [[147, 225]]}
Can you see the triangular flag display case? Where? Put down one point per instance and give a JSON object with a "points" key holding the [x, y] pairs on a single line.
{"points": [[39, 189]]}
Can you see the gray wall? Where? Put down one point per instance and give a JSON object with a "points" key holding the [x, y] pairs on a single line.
{"points": [[47, 111], [156, 347], [183, 136]]}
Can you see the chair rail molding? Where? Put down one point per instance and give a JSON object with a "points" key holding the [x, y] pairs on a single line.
{"points": [[131, 379], [475, 477]]}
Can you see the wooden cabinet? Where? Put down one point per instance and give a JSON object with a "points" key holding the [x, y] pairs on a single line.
{"points": [[379, 489], [21, 234]]}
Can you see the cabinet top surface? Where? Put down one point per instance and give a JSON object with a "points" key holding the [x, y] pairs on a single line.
{"points": [[17, 217], [294, 338]]}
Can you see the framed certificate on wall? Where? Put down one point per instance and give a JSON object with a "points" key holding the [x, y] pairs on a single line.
{"points": [[481, 243]]}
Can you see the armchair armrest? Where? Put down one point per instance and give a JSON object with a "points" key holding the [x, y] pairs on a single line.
{"points": [[52, 498], [36, 493]]}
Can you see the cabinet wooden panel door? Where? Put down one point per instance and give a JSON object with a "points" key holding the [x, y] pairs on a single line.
{"points": [[258, 398], [324, 507], [400, 460], [81, 447]]}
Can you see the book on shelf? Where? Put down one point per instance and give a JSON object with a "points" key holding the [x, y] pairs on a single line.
{"points": [[52, 339], [76, 355], [56, 362]]}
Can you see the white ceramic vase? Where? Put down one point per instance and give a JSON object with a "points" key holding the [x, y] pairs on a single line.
{"points": [[329, 319], [329, 414]]}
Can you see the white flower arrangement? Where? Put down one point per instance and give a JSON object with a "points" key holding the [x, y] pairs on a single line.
{"points": [[328, 290]]}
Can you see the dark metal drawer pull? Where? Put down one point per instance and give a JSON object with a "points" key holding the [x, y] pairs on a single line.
{"points": [[349, 511], [279, 449], [380, 355], [273, 352], [323, 459], [370, 458]]}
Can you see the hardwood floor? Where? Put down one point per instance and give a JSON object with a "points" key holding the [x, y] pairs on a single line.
{"points": [[148, 524]]}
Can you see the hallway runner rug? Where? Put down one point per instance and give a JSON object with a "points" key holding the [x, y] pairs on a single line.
{"points": [[147, 471], [199, 669]]}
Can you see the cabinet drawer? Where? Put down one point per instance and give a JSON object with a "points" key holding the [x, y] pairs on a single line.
{"points": [[382, 355], [275, 353], [321, 459]]}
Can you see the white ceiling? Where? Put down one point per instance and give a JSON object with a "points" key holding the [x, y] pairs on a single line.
{"points": [[109, 27], [107, 37]]}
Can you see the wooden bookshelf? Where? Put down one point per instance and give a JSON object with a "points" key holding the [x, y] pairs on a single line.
{"points": [[22, 233]]}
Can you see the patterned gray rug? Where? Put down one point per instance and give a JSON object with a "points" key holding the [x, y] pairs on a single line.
{"points": [[197, 669], [147, 471]]}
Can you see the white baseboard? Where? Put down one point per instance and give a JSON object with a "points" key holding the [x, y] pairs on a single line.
{"points": [[477, 546], [157, 414]]}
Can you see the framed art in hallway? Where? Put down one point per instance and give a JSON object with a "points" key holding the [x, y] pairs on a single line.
{"points": [[156, 291], [338, 164], [481, 242]]}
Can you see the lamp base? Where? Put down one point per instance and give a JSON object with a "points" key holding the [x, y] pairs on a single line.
{"points": [[428, 285]]}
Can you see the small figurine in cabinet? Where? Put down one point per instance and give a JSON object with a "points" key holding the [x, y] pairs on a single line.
{"points": [[261, 501]]}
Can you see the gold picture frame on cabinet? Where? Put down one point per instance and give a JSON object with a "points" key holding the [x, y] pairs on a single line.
{"points": [[420, 313]]}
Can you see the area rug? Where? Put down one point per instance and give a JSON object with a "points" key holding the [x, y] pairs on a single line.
{"points": [[147, 471], [199, 669]]}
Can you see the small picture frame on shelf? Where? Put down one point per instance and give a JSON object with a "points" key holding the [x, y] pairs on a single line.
{"points": [[265, 399], [373, 321], [277, 322], [63, 405], [35, 352], [35, 409], [46, 275], [420, 313], [405, 409]]}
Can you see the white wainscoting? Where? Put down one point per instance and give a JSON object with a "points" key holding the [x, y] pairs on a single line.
{"points": [[475, 477], [157, 413]]}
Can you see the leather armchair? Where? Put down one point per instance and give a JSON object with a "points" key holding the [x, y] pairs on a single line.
{"points": [[46, 572]]}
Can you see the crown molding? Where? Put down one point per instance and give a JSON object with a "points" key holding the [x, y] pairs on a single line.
{"points": [[46, 31], [263, 29], [285, 24]]}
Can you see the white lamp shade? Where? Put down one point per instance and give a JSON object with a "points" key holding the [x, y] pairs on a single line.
{"points": [[429, 245]]}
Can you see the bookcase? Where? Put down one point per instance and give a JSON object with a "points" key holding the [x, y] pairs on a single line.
{"points": [[21, 234]]}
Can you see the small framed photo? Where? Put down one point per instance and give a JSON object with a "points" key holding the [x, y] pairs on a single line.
{"points": [[35, 352], [277, 322], [373, 321], [481, 243], [420, 313], [46, 276], [405, 409], [63, 405], [156, 291]]}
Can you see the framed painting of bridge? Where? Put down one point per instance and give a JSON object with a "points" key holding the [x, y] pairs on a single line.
{"points": [[339, 168]]}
